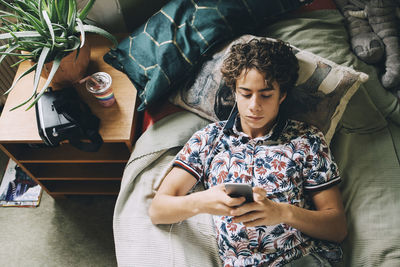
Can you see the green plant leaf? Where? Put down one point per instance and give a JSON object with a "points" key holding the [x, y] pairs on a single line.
{"points": [[48, 22], [22, 14], [42, 6], [76, 44], [27, 27], [23, 103], [52, 9], [7, 52], [8, 29], [39, 68], [60, 31], [61, 39], [25, 34], [52, 12], [6, 21], [27, 7], [95, 29], [19, 78], [57, 26], [54, 68], [18, 62], [31, 6], [82, 15], [2, 29], [36, 23], [10, 54], [12, 7], [80, 27], [72, 13], [64, 9], [31, 43], [38, 71], [77, 53], [57, 6]]}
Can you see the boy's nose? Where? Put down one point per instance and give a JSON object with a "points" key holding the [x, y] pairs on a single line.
{"points": [[255, 103]]}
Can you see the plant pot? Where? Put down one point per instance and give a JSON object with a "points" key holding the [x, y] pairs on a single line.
{"points": [[71, 70]]}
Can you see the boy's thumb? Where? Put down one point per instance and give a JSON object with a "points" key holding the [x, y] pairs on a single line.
{"points": [[259, 194]]}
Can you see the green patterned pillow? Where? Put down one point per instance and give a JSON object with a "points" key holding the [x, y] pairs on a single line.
{"points": [[164, 51]]}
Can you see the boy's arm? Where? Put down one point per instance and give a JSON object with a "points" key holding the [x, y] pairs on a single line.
{"points": [[171, 204], [327, 222]]}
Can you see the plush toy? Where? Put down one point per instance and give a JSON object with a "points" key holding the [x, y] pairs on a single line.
{"points": [[374, 33]]}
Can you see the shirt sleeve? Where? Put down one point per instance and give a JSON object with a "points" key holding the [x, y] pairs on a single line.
{"points": [[321, 171], [192, 156]]}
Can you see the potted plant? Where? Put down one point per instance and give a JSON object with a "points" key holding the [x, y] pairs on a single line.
{"points": [[44, 31]]}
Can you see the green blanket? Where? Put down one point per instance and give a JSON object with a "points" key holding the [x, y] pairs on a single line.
{"points": [[366, 144]]}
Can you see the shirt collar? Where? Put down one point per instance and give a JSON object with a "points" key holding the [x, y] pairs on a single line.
{"points": [[233, 126]]}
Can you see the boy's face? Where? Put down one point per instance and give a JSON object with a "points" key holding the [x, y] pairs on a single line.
{"points": [[258, 103]]}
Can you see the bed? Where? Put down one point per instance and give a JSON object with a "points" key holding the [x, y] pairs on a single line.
{"points": [[365, 142]]}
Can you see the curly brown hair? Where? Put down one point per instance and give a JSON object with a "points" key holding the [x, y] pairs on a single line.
{"points": [[274, 58]]}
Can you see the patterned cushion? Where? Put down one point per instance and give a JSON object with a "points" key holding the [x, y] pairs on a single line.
{"points": [[208, 96], [160, 54]]}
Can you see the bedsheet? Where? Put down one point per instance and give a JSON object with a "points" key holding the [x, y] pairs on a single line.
{"points": [[365, 146], [137, 241]]}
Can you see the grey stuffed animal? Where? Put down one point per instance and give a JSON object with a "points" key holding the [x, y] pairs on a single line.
{"points": [[374, 33]]}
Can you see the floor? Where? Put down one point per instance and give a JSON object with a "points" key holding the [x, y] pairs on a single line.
{"points": [[75, 231]]}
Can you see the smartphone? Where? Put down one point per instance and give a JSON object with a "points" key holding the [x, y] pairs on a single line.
{"points": [[240, 190]]}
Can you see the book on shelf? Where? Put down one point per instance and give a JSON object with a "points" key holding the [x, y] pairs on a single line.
{"points": [[17, 189]]}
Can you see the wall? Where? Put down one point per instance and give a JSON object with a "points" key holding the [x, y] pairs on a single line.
{"points": [[137, 11], [106, 14], [122, 15], [6, 72]]}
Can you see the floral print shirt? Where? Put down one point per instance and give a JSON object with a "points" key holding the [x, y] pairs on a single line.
{"points": [[297, 162]]}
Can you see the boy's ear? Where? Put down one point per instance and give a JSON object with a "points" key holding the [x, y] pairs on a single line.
{"points": [[282, 97]]}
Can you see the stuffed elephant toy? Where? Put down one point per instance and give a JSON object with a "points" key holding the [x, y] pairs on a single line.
{"points": [[374, 31]]}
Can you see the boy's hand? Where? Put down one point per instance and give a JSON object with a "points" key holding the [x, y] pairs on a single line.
{"points": [[216, 201], [260, 212]]}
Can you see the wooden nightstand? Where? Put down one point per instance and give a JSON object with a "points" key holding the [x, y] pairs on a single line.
{"points": [[65, 170]]}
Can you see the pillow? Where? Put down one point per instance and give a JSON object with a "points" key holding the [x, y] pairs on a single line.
{"points": [[207, 95], [170, 45]]}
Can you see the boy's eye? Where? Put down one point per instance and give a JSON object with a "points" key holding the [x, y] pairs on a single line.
{"points": [[266, 96], [246, 95]]}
